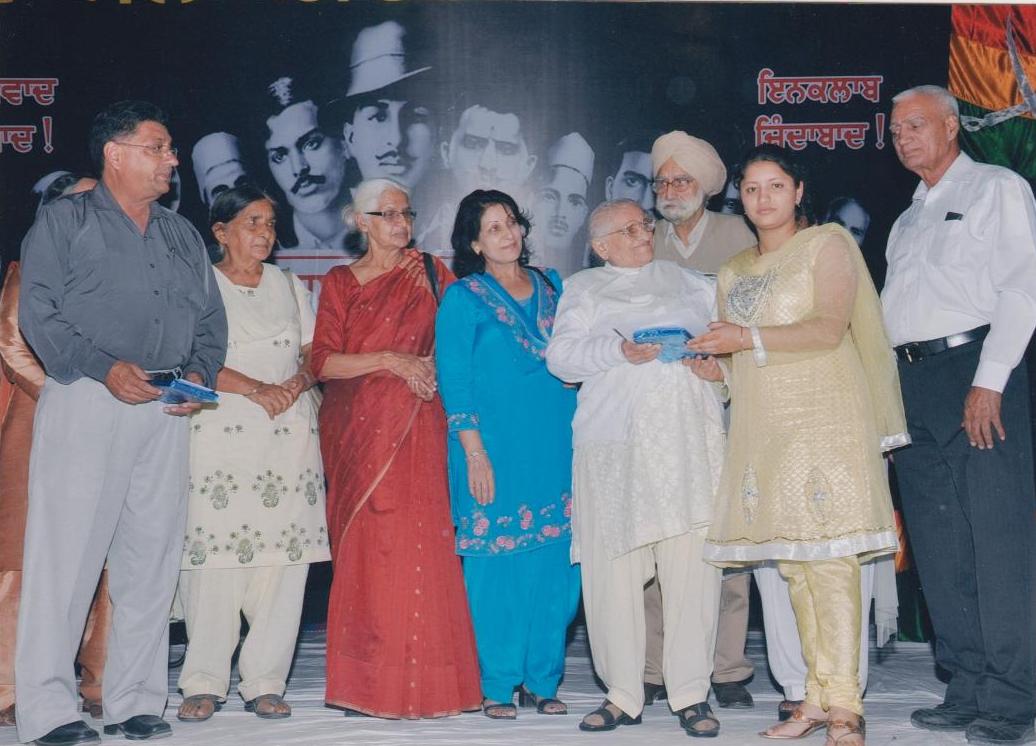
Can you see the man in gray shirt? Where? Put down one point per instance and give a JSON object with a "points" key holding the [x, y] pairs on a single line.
{"points": [[116, 291]]}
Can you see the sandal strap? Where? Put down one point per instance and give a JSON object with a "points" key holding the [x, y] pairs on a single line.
{"points": [[606, 715], [698, 713]]}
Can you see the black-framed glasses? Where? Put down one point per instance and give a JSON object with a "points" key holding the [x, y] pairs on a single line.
{"points": [[393, 215], [158, 151], [635, 230], [679, 184]]}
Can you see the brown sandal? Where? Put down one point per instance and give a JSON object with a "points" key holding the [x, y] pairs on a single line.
{"points": [[499, 710], [196, 701], [852, 729], [798, 717]]}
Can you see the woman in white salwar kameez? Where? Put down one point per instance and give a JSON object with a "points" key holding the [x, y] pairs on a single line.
{"points": [[256, 504]]}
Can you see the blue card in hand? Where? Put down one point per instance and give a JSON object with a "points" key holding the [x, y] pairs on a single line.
{"points": [[672, 338], [182, 391]]}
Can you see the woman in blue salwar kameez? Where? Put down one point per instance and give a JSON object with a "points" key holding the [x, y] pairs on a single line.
{"points": [[510, 455]]}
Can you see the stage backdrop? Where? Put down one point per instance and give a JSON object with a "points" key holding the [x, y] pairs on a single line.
{"points": [[554, 102]]}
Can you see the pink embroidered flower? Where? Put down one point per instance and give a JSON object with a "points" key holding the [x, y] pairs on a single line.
{"points": [[505, 542], [465, 543], [501, 314], [481, 526], [551, 531], [568, 508], [526, 516]]}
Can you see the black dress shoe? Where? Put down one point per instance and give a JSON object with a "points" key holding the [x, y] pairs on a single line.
{"points": [[994, 730], [69, 734], [654, 692], [943, 717], [733, 695], [140, 727]]}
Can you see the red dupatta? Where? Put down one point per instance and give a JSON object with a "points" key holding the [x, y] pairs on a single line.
{"points": [[365, 420]]}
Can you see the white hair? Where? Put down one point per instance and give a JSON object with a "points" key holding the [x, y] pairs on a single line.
{"points": [[366, 197], [599, 217], [940, 94]]}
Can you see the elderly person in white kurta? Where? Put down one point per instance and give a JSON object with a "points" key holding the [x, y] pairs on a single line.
{"points": [[648, 442], [256, 506]]}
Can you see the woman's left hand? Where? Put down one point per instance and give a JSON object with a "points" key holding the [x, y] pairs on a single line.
{"points": [[296, 385], [706, 368], [722, 338]]}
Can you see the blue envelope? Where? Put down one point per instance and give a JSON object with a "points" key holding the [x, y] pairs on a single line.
{"points": [[672, 339]]}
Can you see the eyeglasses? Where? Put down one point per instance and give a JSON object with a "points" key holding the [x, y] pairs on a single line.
{"points": [[635, 230], [157, 151], [393, 215], [679, 184]]}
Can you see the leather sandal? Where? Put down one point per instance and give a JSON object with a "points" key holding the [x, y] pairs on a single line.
{"points": [[852, 730], [196, 700], [528, 699], [699, 714], [787, 708], [499, 710], [264, 706], [798, 717], [609, 721]]}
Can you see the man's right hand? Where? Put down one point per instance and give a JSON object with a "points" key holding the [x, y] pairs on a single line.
{"points": [[129, 383]]}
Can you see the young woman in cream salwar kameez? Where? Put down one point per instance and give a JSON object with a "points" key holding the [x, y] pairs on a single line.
{"points": [[814, 402]]}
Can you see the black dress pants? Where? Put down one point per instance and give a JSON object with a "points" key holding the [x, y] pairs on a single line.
{"points": [[971, 521]]}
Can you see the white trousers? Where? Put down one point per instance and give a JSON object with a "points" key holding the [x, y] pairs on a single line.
{"points": [[613, 601], [783, 647], [105, 479], [270, 598]]}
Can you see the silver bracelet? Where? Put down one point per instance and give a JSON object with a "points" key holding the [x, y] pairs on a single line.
{"points": [[475, 454], [758, 351]]}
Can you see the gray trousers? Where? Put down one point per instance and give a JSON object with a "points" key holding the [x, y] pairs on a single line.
{"points": [[106, 480]]}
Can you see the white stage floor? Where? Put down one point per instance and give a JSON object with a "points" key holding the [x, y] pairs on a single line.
{"points": [[901, 678]]}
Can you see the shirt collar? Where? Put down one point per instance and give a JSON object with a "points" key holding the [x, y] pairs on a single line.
{"points": [[101, 198], [693, 239], [958, 171]]}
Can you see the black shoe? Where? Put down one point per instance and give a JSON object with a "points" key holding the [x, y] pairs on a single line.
{"points": [[943, 717], [140, 728], [654, 693], [69, 734], [998, 731], [733, 695]]}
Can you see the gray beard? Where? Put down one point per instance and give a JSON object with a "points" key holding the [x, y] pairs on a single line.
{"points": [[679, 211]]}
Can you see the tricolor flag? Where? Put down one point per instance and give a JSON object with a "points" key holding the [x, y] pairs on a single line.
{"points": [[993, 75]]}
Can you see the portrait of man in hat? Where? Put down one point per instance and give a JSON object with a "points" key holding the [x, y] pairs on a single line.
{"points": [[560, 208], [218, 165], [386, 128]]}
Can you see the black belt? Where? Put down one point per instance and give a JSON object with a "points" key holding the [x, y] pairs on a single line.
{"points": [[913, 352]]}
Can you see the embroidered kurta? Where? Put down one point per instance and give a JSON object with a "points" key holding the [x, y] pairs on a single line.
{"points": [[257, 485], [804, 478], [652, 432], [493, 378], [399, 637]]}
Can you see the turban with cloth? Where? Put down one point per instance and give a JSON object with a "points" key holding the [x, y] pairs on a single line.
{"points": [[693, 155]]}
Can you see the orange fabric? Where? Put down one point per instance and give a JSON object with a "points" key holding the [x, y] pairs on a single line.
{"points": [[399, 636], [20, 386], [92, 651], [983, 75], [986, 25]]}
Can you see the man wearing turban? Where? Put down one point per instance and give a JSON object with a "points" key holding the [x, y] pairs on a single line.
{"points": [[687, 171]]}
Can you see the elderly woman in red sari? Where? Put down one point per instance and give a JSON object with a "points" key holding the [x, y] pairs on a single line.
{"points": [[399, 636]]}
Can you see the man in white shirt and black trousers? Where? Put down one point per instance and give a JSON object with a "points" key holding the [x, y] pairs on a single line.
{"points": [[960, 307]]}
